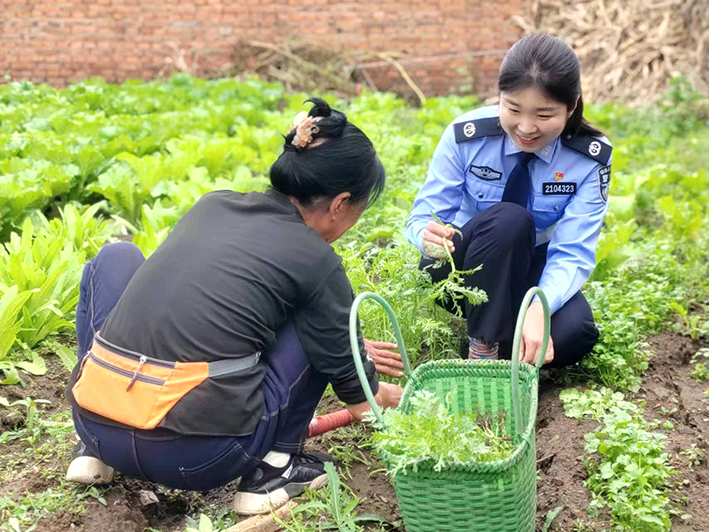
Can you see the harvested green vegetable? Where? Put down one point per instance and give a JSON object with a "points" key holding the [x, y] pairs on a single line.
{"points": [[430, 434], [452, 288]]}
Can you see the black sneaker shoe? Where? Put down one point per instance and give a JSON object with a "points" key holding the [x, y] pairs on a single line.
{"points": [[267, 488], [87, 469]]}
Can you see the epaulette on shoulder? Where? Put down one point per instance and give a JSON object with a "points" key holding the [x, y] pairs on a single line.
{"points": [[590, 147], [474, 129]]}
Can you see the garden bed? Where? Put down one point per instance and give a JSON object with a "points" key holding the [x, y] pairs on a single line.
{"points": [[560, 453]]}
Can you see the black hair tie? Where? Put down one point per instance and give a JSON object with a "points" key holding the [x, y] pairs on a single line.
{"points": [[289, 147]]}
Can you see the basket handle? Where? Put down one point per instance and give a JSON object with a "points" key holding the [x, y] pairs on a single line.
{"points": [[517, 342], [354, 342]]}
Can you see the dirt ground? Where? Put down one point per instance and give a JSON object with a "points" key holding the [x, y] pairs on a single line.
{"points": [[669, 392]]}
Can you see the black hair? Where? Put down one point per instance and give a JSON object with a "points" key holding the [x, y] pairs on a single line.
{"points": [[344, 161], [551, 65]]}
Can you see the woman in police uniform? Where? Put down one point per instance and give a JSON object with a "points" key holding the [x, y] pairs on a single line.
{"points": [[526, 182]]}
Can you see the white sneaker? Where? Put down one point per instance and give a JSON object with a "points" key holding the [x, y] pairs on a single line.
{"points": [[86, 469], [267, 488]]}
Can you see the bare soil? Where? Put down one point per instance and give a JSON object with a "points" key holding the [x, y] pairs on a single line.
{"points": [[669, 391]]}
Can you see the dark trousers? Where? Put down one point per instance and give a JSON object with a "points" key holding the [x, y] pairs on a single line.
{"points": [[292, 390], [502, 239]]}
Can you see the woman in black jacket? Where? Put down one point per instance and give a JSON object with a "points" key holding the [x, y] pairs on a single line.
{"points": [[206, 362]]}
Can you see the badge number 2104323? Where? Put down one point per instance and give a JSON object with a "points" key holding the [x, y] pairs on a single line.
{"points": [[554, 188]]}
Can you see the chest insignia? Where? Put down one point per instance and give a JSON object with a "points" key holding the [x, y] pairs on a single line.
{"points": [[485, 172]]}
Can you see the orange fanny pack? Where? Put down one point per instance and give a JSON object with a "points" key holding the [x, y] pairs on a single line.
{"points": [[137, 390]]}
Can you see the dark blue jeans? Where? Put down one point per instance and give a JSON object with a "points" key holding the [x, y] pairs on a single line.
{"points": [[292, 390]]}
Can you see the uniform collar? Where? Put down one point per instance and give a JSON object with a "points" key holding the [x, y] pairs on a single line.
{"points": [[546, 154]]}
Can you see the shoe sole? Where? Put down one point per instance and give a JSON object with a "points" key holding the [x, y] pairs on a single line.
{"points": [[258, 504], [89, 470]]}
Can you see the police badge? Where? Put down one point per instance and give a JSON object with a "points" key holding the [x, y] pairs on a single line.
{"points": [[485, 172]]}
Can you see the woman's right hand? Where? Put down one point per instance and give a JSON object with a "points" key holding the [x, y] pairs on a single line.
{"points": [[433, 237], [388, 396]]}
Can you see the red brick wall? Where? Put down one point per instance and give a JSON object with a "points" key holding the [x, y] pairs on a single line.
{"points": [[450, 45]]}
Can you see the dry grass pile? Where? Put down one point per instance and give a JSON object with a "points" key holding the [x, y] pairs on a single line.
{"points": [[310, 67], [629, 49]]}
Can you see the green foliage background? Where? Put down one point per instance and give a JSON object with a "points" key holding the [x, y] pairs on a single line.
{"points": [[84, 165]]}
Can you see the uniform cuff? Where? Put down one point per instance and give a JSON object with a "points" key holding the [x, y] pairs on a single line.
{"points": [[553, 299]]}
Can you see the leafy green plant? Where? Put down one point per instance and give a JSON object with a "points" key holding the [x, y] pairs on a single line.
{"points": [[31, 428], [223, 519], [429, 331], [700, 372], [629, 305], [431, 434], [613, 249], [348, 445], [452, 289], [81, 225], [330, 508], [47, 265], [26, 509], [630, 471], [550, 518], [27, 184], [11, 303], [203, 525], [692, 324], [694, 455]]}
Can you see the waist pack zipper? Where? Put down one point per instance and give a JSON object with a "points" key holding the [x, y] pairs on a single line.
{"points": [[143, 360], [132, 355], [134, 376]]}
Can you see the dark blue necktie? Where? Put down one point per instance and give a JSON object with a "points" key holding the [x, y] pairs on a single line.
{"points": [[518, 184]]}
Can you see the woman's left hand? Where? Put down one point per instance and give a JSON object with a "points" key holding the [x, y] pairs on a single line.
{"points": [[386, 361], [532, 336]]}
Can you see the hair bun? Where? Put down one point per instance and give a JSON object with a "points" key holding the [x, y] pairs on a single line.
{"points": [[320, 108]]}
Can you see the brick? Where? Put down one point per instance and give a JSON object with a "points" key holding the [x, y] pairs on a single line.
{"points": [[69, 40]]}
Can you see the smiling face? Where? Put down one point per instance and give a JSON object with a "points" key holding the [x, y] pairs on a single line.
{"points": [[532, 119]]}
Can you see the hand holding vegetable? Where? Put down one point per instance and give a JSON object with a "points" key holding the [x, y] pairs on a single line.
{"points": [[433, 238]]}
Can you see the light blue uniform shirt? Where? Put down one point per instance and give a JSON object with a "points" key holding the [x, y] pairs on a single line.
{"points": [[569, 182]]}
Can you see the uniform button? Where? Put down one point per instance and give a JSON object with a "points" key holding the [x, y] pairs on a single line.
{"points": [[480, 195], [556, 207]]}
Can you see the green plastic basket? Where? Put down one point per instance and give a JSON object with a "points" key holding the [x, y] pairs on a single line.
{"points": [[498, 496]]}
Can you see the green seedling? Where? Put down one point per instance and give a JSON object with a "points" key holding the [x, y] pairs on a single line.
{"points": [[453, 288], [330, 508], [32, 428], [550, 518], [628, 468], [692, 324], [694, 455], [700, 372]]}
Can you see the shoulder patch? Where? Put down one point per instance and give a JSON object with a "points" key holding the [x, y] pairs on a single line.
{"points": [[604, 182], [590, 147], [475, 129]]}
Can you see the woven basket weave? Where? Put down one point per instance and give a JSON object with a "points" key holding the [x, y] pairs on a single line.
{"points": [[497, 496]]}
